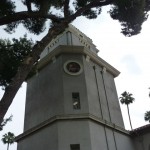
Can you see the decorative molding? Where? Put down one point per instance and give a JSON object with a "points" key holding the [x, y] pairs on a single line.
{"points": [[104, 70], [54, 59], [74, 64], [87, 58], [77, 50], [82, 38], [68, 117], [85, 43]]}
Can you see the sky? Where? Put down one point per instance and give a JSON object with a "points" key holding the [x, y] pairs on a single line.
{"points": [[129, 55]]}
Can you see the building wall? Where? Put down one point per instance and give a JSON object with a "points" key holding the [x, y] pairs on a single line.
{"points": [[62, 133], [142, 142], [74, 132], [74, 84], [105, 138], [44, 139], [112, 99], [49, 96], [124, 142], [49, 93], [59, 136], [102, 94], [44, 98]]}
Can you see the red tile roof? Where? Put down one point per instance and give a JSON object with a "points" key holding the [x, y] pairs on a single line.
{"points": [[141, 130]]}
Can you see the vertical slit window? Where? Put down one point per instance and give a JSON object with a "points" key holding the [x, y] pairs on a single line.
{"points": [[75, 147], [76, 100]]}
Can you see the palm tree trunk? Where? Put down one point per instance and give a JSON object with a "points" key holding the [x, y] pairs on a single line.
{"points": [[8, 146], [129, 117]]}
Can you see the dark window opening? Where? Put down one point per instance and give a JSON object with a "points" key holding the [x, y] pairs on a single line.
{"points": [[75, 146], [76, 100]]}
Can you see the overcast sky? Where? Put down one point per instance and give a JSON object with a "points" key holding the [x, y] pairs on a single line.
{"points": [[130, 55]]}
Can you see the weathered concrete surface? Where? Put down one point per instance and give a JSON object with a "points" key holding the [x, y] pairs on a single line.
{"points": [[51, 122], [50, 93], [142, 141]]}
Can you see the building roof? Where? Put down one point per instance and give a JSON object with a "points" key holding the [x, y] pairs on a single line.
{"points": [[141, 130], [71, 36], [72, 40]]}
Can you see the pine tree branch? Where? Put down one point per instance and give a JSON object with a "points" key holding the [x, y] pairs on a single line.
{"points": [[93, 4], [26, 67], [66, 8], [18, 16], [29, 62]]}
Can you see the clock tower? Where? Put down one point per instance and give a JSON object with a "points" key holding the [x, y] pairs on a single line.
{"points": [[72, 103]]}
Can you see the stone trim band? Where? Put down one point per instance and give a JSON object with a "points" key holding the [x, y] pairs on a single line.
{"points": [[71, 117]]}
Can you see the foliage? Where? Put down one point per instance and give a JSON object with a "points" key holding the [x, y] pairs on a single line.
{"points": [[7, 7], [11, 55], [126, 98], [5, 122], [147, 116], [89, 13], [131, 14], [8, 138], [147, 113]]}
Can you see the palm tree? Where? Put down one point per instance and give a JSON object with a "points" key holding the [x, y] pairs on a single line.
{"points": [[126, 98], [8, 139], [147, 116]]}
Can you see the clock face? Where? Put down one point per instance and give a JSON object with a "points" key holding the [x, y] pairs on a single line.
{"points": [[72, 67]]}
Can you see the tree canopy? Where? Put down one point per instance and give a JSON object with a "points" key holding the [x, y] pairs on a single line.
{"points": [[8, 138], [147, 116], [12, 54], [20, 55]]}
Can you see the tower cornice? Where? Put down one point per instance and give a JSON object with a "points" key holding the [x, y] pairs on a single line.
{"points": [[77, 50], [72, 117]]}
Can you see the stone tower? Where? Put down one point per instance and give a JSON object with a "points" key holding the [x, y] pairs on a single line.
{"points": [[72, 103]]}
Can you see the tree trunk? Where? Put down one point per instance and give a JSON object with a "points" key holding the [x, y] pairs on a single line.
{"points": [[8, 146], [129, 117], [26, 67]]}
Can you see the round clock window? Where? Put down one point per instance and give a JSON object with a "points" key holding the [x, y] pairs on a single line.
{"points": [[72, 67]]}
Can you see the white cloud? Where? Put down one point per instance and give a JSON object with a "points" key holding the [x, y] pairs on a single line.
{"points": [[131, 65]]}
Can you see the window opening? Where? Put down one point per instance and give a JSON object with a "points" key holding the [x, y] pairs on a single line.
{"points": [[76, 100], [75, 146]]}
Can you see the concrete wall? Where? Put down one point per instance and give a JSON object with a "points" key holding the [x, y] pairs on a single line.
{"points": [[44, 97], [102, 94], [112, 99], [44, 139], [124, 142], [90, 135], [50, 92], [92, 91], [59, 136], [106, 138], [74, 132], [142, 142], [74, 84]]}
